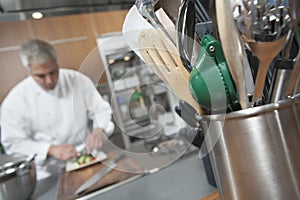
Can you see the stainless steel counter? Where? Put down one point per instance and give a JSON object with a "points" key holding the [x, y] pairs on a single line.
{"points": [[184, 179]]}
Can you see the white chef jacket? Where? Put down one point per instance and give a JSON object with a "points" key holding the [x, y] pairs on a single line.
{"points": [[33, 119]]}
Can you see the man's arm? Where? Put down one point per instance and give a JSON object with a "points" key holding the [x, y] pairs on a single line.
{"points": [[16, 139], [15, 135]]}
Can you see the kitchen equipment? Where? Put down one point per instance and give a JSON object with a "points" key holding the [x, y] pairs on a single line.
{"points": [[256, 152], [210, 81], [263, 27], [281, 72], [266, 52], [187, 113], [108, 168], [161, 56], [146, 9], [281, 75], [295, 17], [137, 107], [210, 7], [208, 25], [167, 23], [17, 177], [185, 28], [233, 49], [201, 13]]}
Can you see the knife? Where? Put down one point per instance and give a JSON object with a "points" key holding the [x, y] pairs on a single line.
{"points": [[109, 167]]}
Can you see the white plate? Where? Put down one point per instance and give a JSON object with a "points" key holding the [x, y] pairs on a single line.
{"points": [[73, 165]]}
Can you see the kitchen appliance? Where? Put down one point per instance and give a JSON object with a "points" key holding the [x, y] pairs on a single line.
{"points": [[17, 177], [255, 152]]}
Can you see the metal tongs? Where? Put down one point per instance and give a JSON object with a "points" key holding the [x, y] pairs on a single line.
{"points": [[185, 27], [146, 9]]}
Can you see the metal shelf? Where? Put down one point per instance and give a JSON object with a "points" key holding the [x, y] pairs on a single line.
{"points": [[138, 96]]}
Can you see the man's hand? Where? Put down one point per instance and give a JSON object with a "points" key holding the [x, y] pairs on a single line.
{"points": [[63, 152], [94, 140]]}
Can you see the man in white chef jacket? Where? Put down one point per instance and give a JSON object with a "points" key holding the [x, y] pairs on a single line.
{"points": [[48, 113]]}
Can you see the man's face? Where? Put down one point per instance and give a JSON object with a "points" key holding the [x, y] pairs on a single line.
{"points": [[45, 74]]}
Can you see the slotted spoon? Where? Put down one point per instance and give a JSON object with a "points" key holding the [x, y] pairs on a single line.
{"points": [[263, 26]]}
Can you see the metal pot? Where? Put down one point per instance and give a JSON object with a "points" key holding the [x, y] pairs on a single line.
{"points": [[17, 177]]}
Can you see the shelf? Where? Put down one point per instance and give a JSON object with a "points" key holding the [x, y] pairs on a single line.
{"points": [[128, 77]]}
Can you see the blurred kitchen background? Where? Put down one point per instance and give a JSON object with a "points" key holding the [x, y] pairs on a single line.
{"points": [[23, 9], [144, 106]]}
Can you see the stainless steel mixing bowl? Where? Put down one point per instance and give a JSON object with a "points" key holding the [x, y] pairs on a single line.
{"points": [[17, 177]]}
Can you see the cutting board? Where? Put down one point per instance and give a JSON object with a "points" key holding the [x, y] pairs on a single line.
{"points": [[212, 196], [69, 182]]}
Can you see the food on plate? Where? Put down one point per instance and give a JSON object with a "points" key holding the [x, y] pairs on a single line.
{"points": [[85, 158]]}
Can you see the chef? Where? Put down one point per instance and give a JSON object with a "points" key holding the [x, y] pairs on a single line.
{"points": [[53, 110]]}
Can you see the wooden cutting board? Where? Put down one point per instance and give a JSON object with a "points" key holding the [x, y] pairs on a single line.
{"points": [[69, 182], [212, 196]]}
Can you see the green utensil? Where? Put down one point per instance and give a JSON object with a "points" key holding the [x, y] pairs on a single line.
{"points": [[210, 81]]}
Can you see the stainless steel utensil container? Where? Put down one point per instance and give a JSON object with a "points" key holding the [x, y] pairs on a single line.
{"points": [[255, 152]]}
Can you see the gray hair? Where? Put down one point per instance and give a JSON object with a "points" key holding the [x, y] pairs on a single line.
{"points": [[37, 51]]}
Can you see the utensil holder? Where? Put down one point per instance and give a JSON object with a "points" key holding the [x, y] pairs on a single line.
{"points": [[255, 152]]}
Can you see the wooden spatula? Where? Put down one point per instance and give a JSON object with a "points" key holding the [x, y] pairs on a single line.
{"points": [[152, 45]]}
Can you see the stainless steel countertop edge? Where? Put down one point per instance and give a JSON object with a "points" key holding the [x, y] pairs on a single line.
{"points": [[109, 188]]}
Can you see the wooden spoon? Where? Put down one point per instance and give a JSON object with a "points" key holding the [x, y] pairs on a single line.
{"points": [[265, 52], [232, 47]]}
